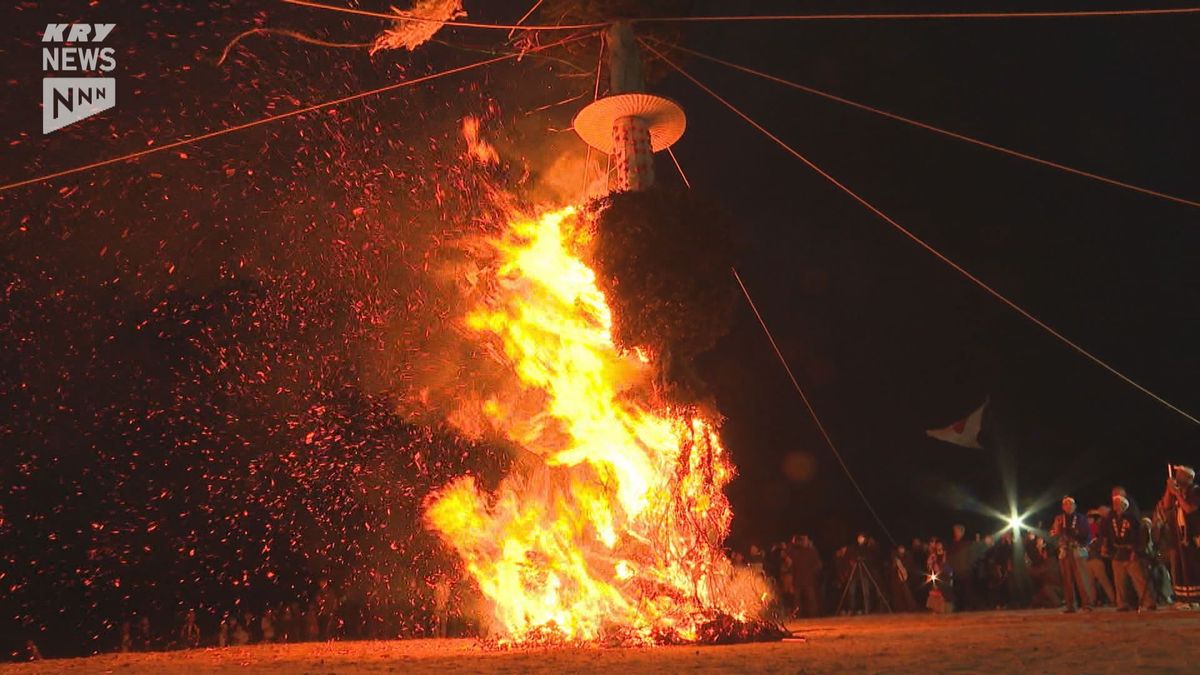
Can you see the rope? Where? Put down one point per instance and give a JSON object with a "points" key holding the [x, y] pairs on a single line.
{"points": [[922, 243], [929, 15], [682, 175], [288, 33], [273, 118], [944, 132], [808, 404], [587, 159], [492, 52], [526, 16], [768, 17], [455, 24]]}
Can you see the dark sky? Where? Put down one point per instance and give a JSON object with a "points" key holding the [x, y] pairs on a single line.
{"points": [[889, 341], [886, 340]]}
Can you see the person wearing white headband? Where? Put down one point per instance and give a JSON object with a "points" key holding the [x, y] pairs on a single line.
{"points": [[1125, 537], [1180, 509], [1072, 532]]}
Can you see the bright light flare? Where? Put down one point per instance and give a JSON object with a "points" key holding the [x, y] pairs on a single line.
{"points": [[1016, 523]]}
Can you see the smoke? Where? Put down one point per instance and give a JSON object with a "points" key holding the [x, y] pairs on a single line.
{"points": [[438, 368]]}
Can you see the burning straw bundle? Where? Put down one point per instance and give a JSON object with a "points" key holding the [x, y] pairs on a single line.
{"points": [[663, 258]]}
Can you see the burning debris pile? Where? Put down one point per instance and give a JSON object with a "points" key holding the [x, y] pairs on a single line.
{"points": [[610, 526]]}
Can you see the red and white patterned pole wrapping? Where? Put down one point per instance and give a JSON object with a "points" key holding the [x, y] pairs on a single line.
{"points": [[632, 155]]}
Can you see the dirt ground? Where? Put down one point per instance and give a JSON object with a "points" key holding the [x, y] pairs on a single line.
{"points": [[992, 642]]}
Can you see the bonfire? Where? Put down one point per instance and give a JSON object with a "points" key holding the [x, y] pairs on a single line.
{"points": [[610, 527]]}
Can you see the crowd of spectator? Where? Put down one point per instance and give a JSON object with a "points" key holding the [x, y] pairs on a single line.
{"points": [[327, 614], [1113, 555]]}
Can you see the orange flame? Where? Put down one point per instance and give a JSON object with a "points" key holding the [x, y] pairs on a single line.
{"points": [[611, 530]]}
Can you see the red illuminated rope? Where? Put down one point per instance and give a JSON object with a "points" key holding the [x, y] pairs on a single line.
{"points": [[929, 15], [524, 16], [275, 118], [295, 35], [937, 130], [686, 182], [922, 243], [808, 404]]}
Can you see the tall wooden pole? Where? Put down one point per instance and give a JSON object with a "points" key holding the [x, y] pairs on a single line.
{"points": [[632, 154]]}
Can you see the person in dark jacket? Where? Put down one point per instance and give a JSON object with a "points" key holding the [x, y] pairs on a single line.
{"points": [[996, 566], [861, 557], [755, 559], [1158, 570], [914, 568], [773, 565], [963, 555], [1098, 558], [895, 573], [940, 578], [189, 633], [875, 560], [143, 639], [1072, 533], [841, 578], [858, 555], [1125, 537], [1044, 574], [806, 575]]}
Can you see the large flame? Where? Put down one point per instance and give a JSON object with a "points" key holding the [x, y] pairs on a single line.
{"points": [[611, 527]]}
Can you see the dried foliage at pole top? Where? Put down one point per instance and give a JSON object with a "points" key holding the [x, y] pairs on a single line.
{"points": [[412, 34], [663, 258]]}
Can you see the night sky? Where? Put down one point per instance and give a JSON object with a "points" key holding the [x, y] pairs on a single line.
{"points": [[245, 315], [888, 340]]}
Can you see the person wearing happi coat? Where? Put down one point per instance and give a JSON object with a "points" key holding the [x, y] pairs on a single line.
{"points": [[1072, 533], [1180, 507], [1125, 538]]}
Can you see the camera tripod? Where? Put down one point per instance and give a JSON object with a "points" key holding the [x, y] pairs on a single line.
{"points": [[858, 568]]}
